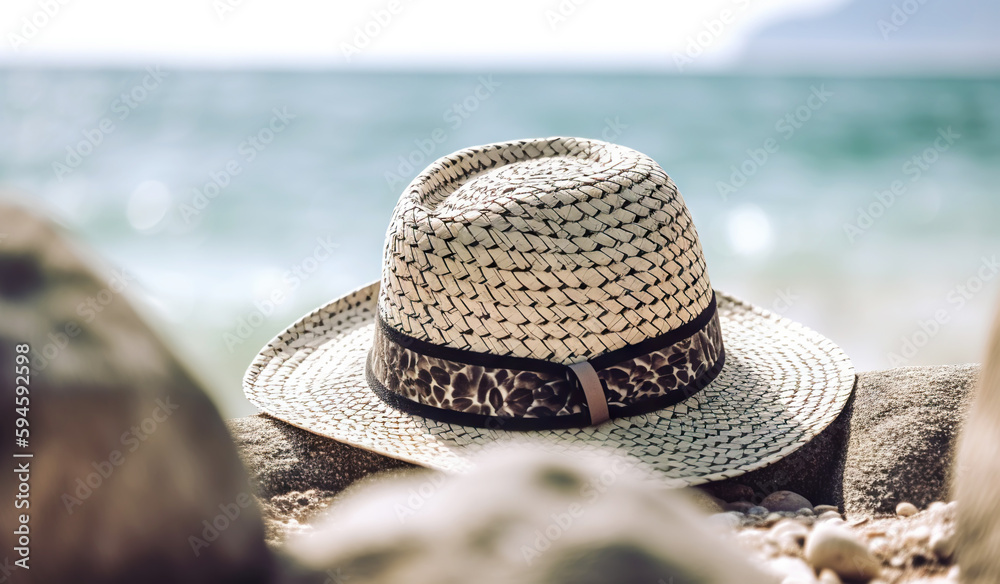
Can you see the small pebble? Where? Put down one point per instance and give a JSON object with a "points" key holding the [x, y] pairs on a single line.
{"points": [[772, 518], [806, 513], [730, 520], [758, 511], [739, 506], [752, 538], [792, 570], [785, 501], [835, 547], [820, 509], [829, 577], [917, 535], [789, 535], [906, 509], [879, 546], [707, 503], [943, 545], [830, 515]]}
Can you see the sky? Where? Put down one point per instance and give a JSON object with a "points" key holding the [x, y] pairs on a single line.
{"points": [[450, 34]]}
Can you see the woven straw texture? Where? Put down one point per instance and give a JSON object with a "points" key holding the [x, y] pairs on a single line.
{"points": [[559, 249], [781, 385]]}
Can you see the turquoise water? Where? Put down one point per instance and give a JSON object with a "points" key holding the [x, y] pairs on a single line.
{"points": [[304, 169]]}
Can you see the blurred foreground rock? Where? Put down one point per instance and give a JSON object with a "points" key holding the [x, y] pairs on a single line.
{"points": [[133, 477], [523, 516], [977, 481]]}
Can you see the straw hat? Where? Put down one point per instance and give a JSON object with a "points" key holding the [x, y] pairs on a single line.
{"points": [[537, 288]]}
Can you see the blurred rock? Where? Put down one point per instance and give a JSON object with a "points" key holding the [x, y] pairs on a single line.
{"points": [[133, 477], [524, 516], [903, 431], [977, 476]]}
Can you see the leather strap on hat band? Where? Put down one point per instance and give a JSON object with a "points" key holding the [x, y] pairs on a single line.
{"points": [[597, 404], [515, 393]]}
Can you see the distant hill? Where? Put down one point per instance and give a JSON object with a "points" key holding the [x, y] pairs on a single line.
{"points": [[906, 36]]}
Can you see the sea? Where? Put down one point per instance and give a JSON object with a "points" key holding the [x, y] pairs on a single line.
{"points": [[865, 208]]}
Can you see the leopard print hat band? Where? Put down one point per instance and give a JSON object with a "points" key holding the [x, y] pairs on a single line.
{"points": [[514, 393], [507, 268]]}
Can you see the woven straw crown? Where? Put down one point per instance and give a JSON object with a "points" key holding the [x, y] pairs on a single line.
{"points": [[555, 249]]}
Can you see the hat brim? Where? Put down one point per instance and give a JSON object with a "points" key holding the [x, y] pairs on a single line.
{"points": [[781, 385]]}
